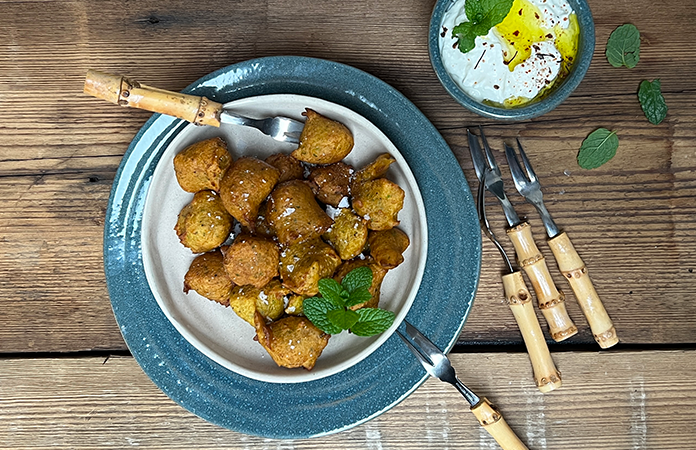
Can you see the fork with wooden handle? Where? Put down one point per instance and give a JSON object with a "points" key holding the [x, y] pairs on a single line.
{"points": [[569, 262], [551, 301], [546, 376]]}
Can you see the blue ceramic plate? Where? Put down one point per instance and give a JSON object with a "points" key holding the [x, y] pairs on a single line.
{"points": [[378, 382]]}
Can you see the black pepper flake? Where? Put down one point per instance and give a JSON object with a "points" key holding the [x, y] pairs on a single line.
{"points": [[516, 32], [550, 36], [454, 45], [536, 15], [520, 12], [495, 86]]}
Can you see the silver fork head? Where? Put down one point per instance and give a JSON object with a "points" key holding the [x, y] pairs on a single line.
{"points": [[283, 129], [527, 184], [525, 180], [434, 361], [483, 221]]}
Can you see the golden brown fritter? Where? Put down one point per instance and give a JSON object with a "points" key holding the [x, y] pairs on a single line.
{"points": [[251, 260], [323, 141], [376, 169], [331, 183], [348, 234], [294, 213], [302, 265], [203, 224], [379, 201], [291, 341], [295, 305], [207, 277], [263, 228], [287, 165], [245, 185], [202, 165], [269, 301], [387, 247], [378, 274]]}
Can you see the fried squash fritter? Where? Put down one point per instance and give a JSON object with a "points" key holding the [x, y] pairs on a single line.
{"points": [[387, 247], [269, 301], [323, 141], [376, 169], [294, 213], [378, 273], [302, 265], [245, 185], [291, 341], [207, 277], [348, 234], [331, 183], [287, 165], [202, 165], [203, 224], [251, 260], [379, 201]]}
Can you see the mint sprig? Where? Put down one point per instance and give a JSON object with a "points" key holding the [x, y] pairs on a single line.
{"points": [[482, 15], [331, 314]]}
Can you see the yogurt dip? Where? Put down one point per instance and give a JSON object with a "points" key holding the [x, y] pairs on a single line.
{"points": [[520, 59]]}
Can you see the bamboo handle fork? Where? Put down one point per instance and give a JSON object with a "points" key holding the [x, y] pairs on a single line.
{"points": [[569, 262], [551, 300]]}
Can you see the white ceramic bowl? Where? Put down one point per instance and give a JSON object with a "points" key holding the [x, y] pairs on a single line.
{"points": [[216, 330]]}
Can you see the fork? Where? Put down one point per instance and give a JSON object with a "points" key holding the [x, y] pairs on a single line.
{"points": [[569, 262], [198, 110], [550, 299], [517, 296], [438, 365]]}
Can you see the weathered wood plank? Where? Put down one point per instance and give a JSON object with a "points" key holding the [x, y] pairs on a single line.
{"points": [[610, 400]]}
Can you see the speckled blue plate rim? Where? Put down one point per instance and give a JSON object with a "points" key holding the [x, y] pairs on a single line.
{"points": [[586, 44], [372, 386]]}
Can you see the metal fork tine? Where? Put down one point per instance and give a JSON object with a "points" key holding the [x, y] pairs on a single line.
{"points": [[476, 154], [489, 154], [518, 176], [426, 345], [415, 350], [527, 164]]}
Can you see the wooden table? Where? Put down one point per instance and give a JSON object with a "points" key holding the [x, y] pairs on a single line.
{"points": [[67, 379]]}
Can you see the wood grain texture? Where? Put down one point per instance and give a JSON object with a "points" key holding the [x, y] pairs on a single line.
{"points": [[633, 220], [609, 400]]}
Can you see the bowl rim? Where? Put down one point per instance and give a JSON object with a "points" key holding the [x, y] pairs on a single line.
{"points": [[534, 109]]}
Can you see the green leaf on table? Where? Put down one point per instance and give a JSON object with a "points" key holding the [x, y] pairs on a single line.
{"points": [[372, 321], [482, 15], [597, 148], [652, 101], [316, 309], [623, 46], [360, 277]]}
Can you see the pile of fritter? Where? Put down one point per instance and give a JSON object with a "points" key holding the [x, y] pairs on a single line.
{"points": [[268, 230]]}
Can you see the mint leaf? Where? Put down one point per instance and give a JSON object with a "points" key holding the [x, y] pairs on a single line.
{"points": [[358, 296], [342, 318], [317, 309], [482, 15], [652, 101], [330, 289], [372, 321], [623, 46], [360, 277], [597, 148]]}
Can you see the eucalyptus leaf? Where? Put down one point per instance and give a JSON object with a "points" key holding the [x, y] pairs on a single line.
{"points": [[623, 46], [597, 148], [652, 101]]}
